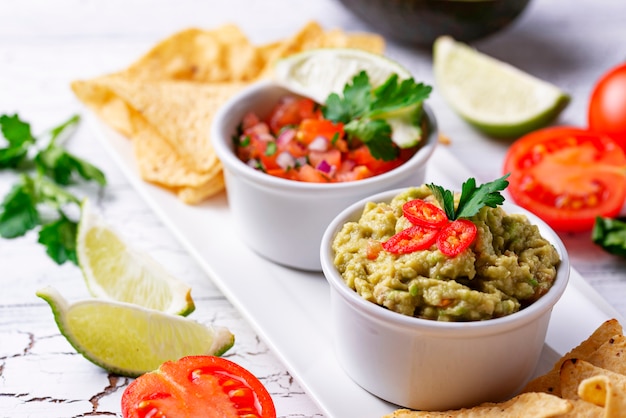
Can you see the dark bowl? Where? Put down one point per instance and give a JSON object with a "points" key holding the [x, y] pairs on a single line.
{"points": [[420, 22]]}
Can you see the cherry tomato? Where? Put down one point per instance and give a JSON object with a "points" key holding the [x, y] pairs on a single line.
{"points": [[607, 105], [197, 386], [455, 237], [567, 176], [420, 212], [412, 239]]}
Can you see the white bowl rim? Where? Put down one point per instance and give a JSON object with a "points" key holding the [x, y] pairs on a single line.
{"points": [[476, 328], [232, 162]]}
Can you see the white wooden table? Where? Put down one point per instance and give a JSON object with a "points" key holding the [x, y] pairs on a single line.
{"points": [[46, 44]]}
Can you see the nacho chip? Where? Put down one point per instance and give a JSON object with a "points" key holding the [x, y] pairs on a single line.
{"points": [[611, 355], [583, 380], [550, 382], [208, 56], [583, 409], [536, 405]]}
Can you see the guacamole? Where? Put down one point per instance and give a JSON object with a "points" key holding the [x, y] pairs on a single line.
{"points": [[508, 266]]}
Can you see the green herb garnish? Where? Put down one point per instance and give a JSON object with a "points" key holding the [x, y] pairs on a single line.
{"points": [[472, 198], [38, 198], [365, 110], [610, 234]]}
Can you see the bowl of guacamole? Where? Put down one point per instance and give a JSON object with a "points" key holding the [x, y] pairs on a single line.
{"points": [[441, 303]]}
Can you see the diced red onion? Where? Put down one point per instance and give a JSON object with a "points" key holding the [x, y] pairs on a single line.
{"points": [[324, 167], [285, 160], [320, 143], [253, 162], [300, 161], [285, 137], [266, 137]]}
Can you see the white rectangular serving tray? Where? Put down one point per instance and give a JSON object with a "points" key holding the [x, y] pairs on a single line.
{"points": [[289, 308]]}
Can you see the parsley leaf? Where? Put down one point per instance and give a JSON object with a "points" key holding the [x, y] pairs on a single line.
{"points": [[610, 234], [19, 210], [472, 198], [365, 110], [39, 200], [59, 238], [19, 138]]}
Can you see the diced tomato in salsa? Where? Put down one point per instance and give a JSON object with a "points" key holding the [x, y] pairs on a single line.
{"points": [[295, 142]]}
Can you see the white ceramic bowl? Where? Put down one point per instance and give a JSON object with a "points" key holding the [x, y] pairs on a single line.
{"points": [[431, 365], [283, 220]]}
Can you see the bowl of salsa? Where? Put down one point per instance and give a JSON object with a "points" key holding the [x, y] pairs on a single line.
{"points": [[290, 166]]}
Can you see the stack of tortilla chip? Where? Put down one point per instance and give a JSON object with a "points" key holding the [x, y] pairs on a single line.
{"points": [[165, 102], [589, 382]]}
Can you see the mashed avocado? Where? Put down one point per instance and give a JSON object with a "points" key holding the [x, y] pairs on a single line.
{"points": [[508, 266]]}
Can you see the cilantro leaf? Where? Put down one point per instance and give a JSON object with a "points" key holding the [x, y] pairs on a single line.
{"points": [[15, 130], [376, 134], [472, 198], [610, 234], [39, 201], [59, 238], [365, 110], [62, 166], [19, 210], [445, 198], [19, 139], [393, 96]]}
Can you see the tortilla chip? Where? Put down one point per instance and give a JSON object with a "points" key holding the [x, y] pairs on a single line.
{"points": [[583, 409], [583, 380], [208, 56], [182, 112], [611, 355], [550, 382], [159, 163], [605, 391], [536, 405], [195, 195]]}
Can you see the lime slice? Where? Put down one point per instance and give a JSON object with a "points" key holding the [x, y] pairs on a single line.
{"points": [[317, 73], [131, 340], [491, 95], [115, 271]]}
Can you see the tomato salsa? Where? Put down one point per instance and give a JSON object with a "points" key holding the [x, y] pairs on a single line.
{"points": [[297, 142]]}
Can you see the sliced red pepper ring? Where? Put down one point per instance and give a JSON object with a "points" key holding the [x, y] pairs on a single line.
{"points": [[455, 237], [420, 212], [415, 238]]}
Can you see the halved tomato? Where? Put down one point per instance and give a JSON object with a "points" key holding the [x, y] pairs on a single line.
{"points": [[197, 386], [567, 176]]}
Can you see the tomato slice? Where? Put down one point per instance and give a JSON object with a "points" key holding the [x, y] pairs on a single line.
{"points": [[567, 176], [415, 238], [455, 237], [198, 386], [420, 212]]}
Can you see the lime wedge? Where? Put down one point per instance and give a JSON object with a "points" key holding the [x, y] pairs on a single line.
{"points": [[115, 271], [128, 339], [491, 95], [317, 73]]}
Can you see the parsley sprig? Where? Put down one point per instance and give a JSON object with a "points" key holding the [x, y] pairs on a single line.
{"points": [[39, 197], [472, 198], [365, 110]]}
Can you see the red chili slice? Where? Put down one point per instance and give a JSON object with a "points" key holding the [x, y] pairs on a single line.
{"points": [[455, 237], [415, 238], [420, 212]]}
